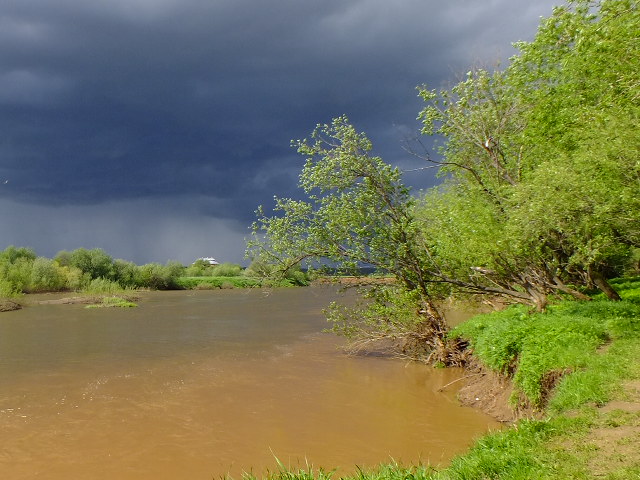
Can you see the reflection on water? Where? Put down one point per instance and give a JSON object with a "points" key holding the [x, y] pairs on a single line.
{"points": [[197, 384]]}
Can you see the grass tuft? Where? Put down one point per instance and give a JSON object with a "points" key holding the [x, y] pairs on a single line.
{"points": [[110, 302]]}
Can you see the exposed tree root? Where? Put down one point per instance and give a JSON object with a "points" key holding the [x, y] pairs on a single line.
{"points": [[427, 342]]}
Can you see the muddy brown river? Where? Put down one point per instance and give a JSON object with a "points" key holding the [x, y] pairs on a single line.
{"points": [[197, 384]]}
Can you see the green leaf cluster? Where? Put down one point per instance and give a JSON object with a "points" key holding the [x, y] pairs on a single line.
{"points": [[540, 197], [21, 271], [357, 212], [541, 159]]}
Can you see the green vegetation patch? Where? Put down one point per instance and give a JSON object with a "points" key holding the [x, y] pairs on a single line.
{"points": [[108, 302], [537, 350], [204, 283], [224, 282]]}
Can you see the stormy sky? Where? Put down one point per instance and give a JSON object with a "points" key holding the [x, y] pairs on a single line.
{"points": [[154, 128]]}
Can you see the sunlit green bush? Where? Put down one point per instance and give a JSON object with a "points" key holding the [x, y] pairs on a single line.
{"points": [[46, 276], [226, 270], [103, 286], [7, 289], [159, 277]]}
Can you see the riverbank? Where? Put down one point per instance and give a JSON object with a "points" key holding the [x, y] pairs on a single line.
{"points": [[571, 378], [104, 292]]}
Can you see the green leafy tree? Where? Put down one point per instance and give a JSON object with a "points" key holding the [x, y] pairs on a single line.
{"points": [[484, 160], [63, 258], [199, 268], [15, 268], [581, 77], [126, 273], [96, 262], [226, 270], [11, 254], [46, 276], [547, 150], [160, 277], [357, 213]]}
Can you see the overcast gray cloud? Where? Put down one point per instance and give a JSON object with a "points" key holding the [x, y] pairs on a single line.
{"points": [[187, 107]]}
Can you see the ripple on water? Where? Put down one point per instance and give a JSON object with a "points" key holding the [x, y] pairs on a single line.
{"points": [[195, 385]]}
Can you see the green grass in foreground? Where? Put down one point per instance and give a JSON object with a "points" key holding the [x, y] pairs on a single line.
{"points": [[596, 347], [539, 348]]}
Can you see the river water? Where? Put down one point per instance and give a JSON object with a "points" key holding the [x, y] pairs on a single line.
{"points": [[198, 384]]}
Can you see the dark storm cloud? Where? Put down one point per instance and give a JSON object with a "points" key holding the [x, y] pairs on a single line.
{"points": [[130, 229], [153, 99]]}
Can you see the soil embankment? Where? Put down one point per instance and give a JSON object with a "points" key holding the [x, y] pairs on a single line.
{"points": [[489, 393]]}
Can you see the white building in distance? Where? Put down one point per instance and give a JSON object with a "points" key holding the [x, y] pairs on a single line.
{"points": [[209, 260]]}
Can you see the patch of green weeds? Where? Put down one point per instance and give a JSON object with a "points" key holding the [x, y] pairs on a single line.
{"points": [[113, 302], [102, 286], [308, 472], [537, 350], [600, 379], [202, 283]]}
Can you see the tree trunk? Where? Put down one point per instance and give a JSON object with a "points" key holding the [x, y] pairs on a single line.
{"points": [[442, 350], [436, 320], [559, 284], [601, 282], [539, 299]]}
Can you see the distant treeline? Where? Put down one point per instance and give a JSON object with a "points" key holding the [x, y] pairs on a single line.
{"points": [[22, 271]]}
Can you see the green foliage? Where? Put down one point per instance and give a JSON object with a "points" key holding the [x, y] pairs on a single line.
{"points": [[18, 273], [94, 262], [63, 258], [226, 270], [202, 268], [102, 286], [81, 270], [297, 277], [197, 269], [159, 277], [12, 254], [8, 289], [517, 453], [357, 212], [46, 276], [21, 271], [531, 347], [272, 275], [385, 312], [201, 283], [110, 302], [76, 279], [126, 273], [541, 160], [600, 379], [259, 267]]}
